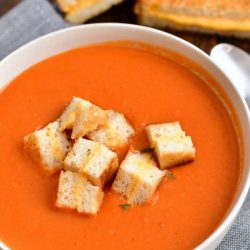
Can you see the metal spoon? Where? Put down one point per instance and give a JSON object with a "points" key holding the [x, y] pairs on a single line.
{"points": [[235, 63]]}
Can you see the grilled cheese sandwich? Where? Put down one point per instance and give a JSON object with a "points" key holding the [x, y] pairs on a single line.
{"points": [[222, 17], [79, 11]]}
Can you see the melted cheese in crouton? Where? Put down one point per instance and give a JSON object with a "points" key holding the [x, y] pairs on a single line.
{"points": [[88, 120], [92, 160], [138, 177], [68, 117], [82, 117], [48, 147], [75, 192], [115, 133]]}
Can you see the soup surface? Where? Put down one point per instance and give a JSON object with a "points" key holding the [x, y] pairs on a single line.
{"points": [[147, 88]]}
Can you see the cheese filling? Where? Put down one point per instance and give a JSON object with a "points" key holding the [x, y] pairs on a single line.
{"points": [[214, 23]]}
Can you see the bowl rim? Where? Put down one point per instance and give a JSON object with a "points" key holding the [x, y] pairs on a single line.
{"points": [[226, 222]]}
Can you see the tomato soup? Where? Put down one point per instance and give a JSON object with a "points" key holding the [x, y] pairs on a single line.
{"points": [[148, 87]]}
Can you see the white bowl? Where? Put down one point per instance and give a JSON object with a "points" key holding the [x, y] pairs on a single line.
{"points": [[71, 38]]}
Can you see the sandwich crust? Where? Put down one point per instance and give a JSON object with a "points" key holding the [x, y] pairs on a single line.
{"points": [[222, 17]]}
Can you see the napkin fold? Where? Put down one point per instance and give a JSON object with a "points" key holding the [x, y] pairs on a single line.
{"points": [[34, 18]]}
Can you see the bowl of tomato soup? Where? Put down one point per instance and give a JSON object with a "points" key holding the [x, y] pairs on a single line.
{"points": [[152, 77]]}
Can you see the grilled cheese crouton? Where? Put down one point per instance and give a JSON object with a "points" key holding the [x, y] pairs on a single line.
{"points": [[82, 117], [68, 117], [48, 147], [115, 133], [174, 151], [76, 192], [92, 160], [157, 132], [171, 145], [88, 120], [138, 177], [79, 11]]}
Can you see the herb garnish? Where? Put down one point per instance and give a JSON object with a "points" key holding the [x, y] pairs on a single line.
{"points": [[125, 206], [147, 150], [170, 175], [88, 151]]}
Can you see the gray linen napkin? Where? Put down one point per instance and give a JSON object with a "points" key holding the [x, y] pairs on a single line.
{"points": [[27, 21], [33, 18]]}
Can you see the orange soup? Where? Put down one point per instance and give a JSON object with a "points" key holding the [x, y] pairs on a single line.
{"points": [[148, 88]]}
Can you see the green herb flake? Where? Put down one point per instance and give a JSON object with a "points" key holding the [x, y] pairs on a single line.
{"points": [[147, 150], [125, 206], [170, 175], [88, 151]]}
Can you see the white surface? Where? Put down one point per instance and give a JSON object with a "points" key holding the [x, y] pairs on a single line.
{"points": [[70, 38]]}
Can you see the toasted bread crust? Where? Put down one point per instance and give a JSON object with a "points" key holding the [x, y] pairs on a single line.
{"points": [[230, 9], [32, 149]]}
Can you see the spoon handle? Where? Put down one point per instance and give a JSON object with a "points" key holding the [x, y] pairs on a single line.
{"points": [[235, 63]]}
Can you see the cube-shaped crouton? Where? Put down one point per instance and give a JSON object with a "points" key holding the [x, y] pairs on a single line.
{"points": [[93, 160], [48, 147], [89, 119], [138, 177], [175, 151], [172, 146], [115, 133], [68, 117], [157, 132], [82, 117], [76, 192]]}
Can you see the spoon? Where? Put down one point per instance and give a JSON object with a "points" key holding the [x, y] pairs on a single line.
{"points": [[235, 63]]}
